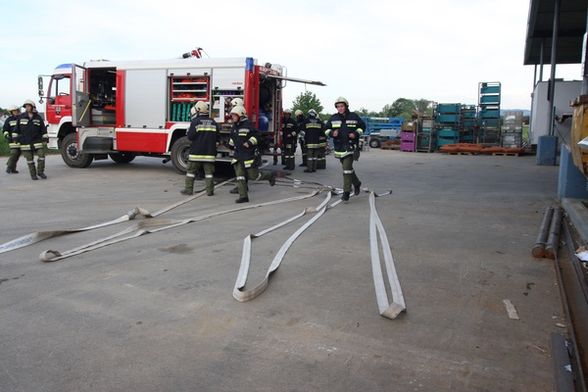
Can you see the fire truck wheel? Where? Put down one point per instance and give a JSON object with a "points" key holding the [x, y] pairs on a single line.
{"points": [[179, 154], [374, 143], [122, 157], [71, 155]]}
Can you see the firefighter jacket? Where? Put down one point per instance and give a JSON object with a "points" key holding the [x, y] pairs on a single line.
{"points": [[203, 133], [10, 131], [346, 124], [289, 132], [241, 133], [313, 130], [300, 126], [31, 131]]}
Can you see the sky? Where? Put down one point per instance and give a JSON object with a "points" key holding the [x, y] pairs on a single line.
{"points": [[371, 52]]}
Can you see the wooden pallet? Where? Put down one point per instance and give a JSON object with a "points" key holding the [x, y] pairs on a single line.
{"points": [[506, 154], [460, 153], [389, 147]]}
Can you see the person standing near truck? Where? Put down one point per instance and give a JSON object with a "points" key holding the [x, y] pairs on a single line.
{"points": [[300, 124], [346, 127], [12, 138], [289, 140], [203, 133], [313, 130], [243, 141], [32, 136]]}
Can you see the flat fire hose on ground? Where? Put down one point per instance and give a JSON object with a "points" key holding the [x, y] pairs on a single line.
{"points": [[386, 309], [390, 311], [153, 226], [33, 238]]}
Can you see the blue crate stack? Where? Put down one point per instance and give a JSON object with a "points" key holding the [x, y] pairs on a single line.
{"points": [[447, 119], [489, 115], [468, 123]]}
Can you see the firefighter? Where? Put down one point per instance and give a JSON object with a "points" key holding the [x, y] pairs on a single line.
{"points": [[313, 130], [243, 141], [289, 138], [300, 123], [345, 128], [32, 136], [12, 137], [321, 159], [203, 133]]}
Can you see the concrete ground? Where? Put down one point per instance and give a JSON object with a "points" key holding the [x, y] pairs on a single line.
{"points": [[156, 313]]}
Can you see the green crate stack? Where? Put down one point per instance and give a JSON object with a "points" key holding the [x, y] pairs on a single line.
{"points": [[489, 97]]}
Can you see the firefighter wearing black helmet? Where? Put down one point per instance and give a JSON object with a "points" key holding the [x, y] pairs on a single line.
{"points": [[346, 127], [313, 130], [289, 139], [32, 136], [12, 138]]}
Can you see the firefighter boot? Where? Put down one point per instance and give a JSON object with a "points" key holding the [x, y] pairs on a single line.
{"points": [[356, 187], [345, 196], [33, 170], [209, 180], [189, 185], [41, 163]]}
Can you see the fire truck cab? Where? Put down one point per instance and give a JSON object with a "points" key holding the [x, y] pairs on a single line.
{"points": [[125, 109]]}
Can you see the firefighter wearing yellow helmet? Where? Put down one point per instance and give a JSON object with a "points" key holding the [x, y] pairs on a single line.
{"points": [[243, 141], [203, 133], [12, 138], [32, 136], [346, 127]]}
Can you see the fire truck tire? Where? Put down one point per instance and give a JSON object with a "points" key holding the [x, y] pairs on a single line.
{"points": [[179, 154], [374, 143], [71, 155], [122, 157]]}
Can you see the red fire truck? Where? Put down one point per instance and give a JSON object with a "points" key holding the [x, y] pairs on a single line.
{"points": [[126, 109]]}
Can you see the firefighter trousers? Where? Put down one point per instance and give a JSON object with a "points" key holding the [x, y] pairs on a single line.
{"points": [[252, 173], [312, 158], [349, 176], [321, 160], [289, 152], [14, 155], [29, 155], [304, 152], [193, 167]]}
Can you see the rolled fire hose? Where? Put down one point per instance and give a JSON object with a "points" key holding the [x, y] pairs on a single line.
{"points": [[33, 238]]}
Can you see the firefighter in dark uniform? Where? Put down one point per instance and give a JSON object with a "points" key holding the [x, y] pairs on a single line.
{"points": [[289, 139], [346, 128], [243, 141], [321, 160], [313, 130], [12, 137], [300, 123], [203, 133], [32, 136]]}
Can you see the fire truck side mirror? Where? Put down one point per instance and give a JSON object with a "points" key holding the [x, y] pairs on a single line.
{"points": [[41, 91]]}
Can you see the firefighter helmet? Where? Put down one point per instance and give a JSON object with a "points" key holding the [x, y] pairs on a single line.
{"points": [[342, 100], [13, 108], [28, 102], [312, 113], [192, 111], [298, 113], [237, 102], [239, 111], [201, 107]]}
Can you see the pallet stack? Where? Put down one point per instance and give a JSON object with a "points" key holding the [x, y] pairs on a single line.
{"points": [[489, 115], [408, 137], [512, 129], [425, 137], [447, 118], [468, 123]]}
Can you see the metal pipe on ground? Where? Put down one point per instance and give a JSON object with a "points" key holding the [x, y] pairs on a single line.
{"points": [[538, 249], [552, 244]]}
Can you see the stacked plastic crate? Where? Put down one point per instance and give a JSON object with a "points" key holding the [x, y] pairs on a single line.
{"points": [[512, 129], [489, 116], [469, 122], [408, 137], [447, 116], [425, 139]]}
